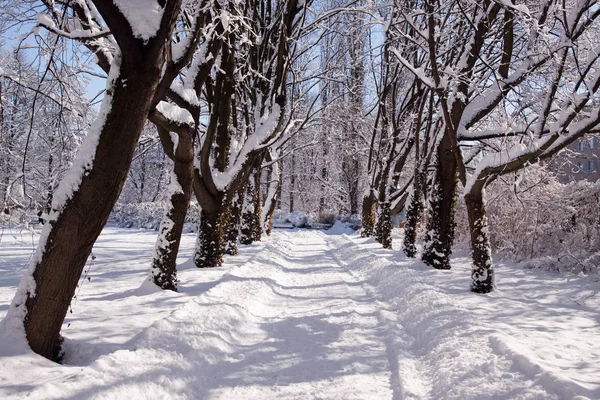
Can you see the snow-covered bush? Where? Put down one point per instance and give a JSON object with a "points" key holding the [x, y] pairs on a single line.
{"points": [[296, 219], [148, 215], [536, 218], [327, 219], [352, 220]]}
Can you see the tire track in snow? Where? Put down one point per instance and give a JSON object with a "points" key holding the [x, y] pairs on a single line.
{"points": [[313, 293], [407, 375]]}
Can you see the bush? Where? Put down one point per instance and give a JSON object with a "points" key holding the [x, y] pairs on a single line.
{"points": [[534, 217], [149, 215]]}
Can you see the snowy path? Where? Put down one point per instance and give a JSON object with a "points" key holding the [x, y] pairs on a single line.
{"points": [[289, 322], [309, 329], [307, 315]]}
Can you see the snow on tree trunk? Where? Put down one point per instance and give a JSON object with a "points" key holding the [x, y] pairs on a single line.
{"points": [[270, 202], [368, 215], [257, 229], [439, 237], [383, 231], [164, 263], [413, 216], [210, 240], [82, 204], [249, 212], [233, 227], [483, 269]]}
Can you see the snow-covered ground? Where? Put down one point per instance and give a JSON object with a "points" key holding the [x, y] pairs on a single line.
{"points": [[307, 315]]}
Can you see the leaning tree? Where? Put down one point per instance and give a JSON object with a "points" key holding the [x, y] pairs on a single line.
{"points": [[135, 46]]}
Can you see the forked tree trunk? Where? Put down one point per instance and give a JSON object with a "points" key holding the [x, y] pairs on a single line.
{"points": [[368, 215], [483, 270], [80, 210], [164, 263], [442, 206]]}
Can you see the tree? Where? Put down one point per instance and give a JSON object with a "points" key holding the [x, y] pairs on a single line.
{"points": [[541, 128], [250, 113], [141, 65]]}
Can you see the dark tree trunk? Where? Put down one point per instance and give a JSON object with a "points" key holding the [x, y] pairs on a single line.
{"points": [[323, 180], [73, 228], [292, 182], [211, 235], [164, 264], [270, 214], [233, 227], [354, 187], [368, 215], [251, 229], [383, 231], [442, 205], [257, 199], [483, 270], [273, 191], [413, 216]]}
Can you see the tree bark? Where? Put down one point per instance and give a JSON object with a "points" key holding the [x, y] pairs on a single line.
{"points": [[164, 263], [251, 215], [368, 215], [273, 191], [442, 205], [233, 227], [210, 241], [257, 199], [483, 270], [413, 216], [292, 182], [73, 228], [383, 231]]}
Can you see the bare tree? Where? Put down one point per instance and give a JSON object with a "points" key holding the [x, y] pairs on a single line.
{"points": [[141, 64]]}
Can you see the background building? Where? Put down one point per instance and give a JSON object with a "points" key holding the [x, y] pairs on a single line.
{"points": [[579, 161]]}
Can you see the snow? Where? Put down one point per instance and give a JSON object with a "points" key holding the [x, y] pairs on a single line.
{"points": [[503, 157], [264, 128], [144, 16], [174, 113], [307, 314], [45, 20], [186, 94]]}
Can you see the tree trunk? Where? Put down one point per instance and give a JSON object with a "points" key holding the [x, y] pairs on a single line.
{"points": [[323, 179], [383, 231], [442, 205], [87, 195], [210, 241], [251, 211], [269, 221], [413, 216], [273, 189], [483, 270], [257, 199], [354, 187], [164, 263], [368, 215], [232, 231]]}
